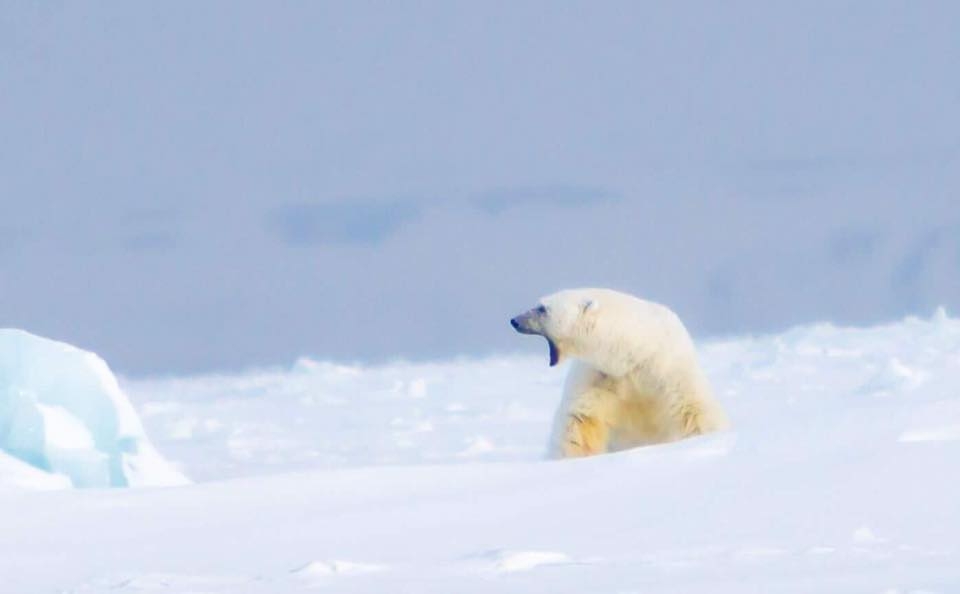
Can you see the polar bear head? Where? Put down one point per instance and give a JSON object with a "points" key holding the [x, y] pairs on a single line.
{"points": [[566, 319], [611, 331]]}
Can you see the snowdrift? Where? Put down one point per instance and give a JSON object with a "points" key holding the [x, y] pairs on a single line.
{"points": [[62, 413]]}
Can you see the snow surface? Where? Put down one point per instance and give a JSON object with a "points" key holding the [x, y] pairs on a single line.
{"points": [[62, 413], [840, 475]]}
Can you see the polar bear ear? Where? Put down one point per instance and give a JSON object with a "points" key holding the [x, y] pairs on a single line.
{"points": [[589, 305]]}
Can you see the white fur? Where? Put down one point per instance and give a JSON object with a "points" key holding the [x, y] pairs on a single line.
{"points": [[635, 378]]}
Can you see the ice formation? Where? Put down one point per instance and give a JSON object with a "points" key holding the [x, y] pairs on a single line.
{"points": [[62, 412]]}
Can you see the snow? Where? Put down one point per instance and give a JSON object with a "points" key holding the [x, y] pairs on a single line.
{"points": [[17, 474], [63, 412], [839, 476]]}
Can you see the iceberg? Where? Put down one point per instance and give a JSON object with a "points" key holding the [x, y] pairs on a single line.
{"points": [[62, 412]]}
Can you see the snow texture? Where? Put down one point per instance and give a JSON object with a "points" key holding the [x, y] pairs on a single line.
{"points": [[62, 413], [839, 476]]}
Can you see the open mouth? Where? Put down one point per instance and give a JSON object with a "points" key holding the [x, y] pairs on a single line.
{"points": [[554, 352], [521, 325]]}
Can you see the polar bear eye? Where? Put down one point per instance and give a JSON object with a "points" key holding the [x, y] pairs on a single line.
{"points": [[541, 309]]}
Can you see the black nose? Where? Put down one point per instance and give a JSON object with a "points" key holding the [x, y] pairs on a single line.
{"points": [[515, 324]]}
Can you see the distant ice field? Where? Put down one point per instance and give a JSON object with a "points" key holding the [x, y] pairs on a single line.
{"points": [[810, 383]]}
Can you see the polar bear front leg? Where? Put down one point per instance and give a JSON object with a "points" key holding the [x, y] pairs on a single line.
{"points": [[583, 436], [586, 429]]}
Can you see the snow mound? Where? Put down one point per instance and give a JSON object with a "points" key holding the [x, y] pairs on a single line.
{"points": [[509, 561], [320, 569], [62, 413], [17, 475]]}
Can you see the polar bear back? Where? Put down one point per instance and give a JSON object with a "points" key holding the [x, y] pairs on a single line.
{"points": [[627, 332]]}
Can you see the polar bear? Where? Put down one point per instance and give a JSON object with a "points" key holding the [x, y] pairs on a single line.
{"points": [[635, 379]]}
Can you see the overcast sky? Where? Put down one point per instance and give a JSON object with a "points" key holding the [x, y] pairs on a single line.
{"points": [[203, 186]]}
